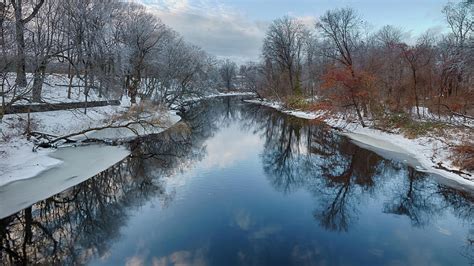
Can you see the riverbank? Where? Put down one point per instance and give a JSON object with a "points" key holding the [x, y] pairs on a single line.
{"points": [[432, 154], [18, 161]]}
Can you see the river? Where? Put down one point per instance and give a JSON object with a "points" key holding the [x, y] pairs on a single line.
{"points": [[235, 183]]}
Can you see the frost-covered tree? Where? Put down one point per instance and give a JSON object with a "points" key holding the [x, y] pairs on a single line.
{"points": [[142, 32], [21, 19], [228, 72]]}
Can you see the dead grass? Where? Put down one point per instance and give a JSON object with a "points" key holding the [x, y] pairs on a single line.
{"points": [[143, 111], [302, 104], [412, 128], [296, 103], [463, 156]]}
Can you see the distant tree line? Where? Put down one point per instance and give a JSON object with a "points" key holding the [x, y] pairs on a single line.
{"points": [[348, 67]]}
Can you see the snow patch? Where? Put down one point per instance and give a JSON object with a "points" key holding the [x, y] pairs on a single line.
{"points": [[18, 161]]}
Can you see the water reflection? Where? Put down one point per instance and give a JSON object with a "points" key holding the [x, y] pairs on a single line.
{"points": [[73, 226], [340, 174], [342, 179]]}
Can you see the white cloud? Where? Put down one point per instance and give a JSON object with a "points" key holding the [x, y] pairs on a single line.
{"points": [[218, 29]]}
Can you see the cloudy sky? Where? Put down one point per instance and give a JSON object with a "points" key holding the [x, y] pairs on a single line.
{"points": [[236, 28]]}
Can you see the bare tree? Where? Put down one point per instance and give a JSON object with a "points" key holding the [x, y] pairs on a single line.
{"points": [[141, 33], [389, 35], [228, 72], [251, 77], [460, 18], [283, 45], [45, 39], [20, 22], [417, 58], [341, 27]]}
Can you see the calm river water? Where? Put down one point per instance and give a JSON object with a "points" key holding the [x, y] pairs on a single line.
{"points": [[240, 184]]}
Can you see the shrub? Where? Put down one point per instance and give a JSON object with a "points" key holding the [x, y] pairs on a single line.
{"points": [[463, 156], [394, 120], [415, 129], [297, 102], [409, 127]]}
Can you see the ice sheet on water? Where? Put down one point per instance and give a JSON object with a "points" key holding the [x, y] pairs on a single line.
{"points": [[79, 164]]}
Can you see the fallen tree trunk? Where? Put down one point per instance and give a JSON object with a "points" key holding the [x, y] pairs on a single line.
{"points": [[52, 140]]}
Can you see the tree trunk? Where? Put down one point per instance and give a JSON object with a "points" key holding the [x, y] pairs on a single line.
{"points": [[20, 46], [38, 83], [290, 76], [133, 90], [71, 77], [86, 88], [353, 98], [2, 109], [416, 94], [359, 115]]}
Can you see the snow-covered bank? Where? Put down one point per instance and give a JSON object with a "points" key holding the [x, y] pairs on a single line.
{"points": [[217, 95], [424, 153], [17, 159], [235, 93]]}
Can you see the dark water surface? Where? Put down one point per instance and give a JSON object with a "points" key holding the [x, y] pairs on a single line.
{"points": [[239, 184]]}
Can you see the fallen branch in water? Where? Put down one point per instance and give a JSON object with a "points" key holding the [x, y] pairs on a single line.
{"points": [[442, 167], [67, 138]]}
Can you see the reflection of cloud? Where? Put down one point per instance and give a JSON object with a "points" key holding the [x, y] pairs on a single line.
{"points": [[135, 261], [306, 256], [265, 232], [444, 231], [243, 219], [376, 252], [421, 256], [229, 146], [182, 257]]}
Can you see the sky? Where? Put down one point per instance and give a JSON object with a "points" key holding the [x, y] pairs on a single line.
{"points": [[235, 29]]}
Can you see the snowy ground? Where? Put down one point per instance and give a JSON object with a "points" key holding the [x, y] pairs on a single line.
{"points": [[235, 93], [18, 161], [221, 94], [54, 90], [425, 152]]}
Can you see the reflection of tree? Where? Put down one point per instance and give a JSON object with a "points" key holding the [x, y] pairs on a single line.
{"points": [[301, 155], [339, 174], [283, 159], [70, 227], [347, 177], [81, 223], [413, 199], [462, 204]]}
